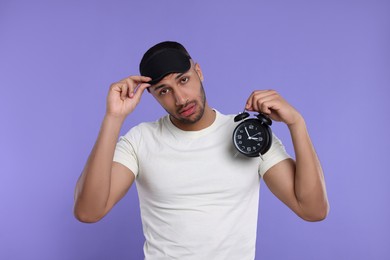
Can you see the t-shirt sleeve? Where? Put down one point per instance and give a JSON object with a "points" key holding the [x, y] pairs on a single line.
{"points": [[275, 154], [125, 154]]}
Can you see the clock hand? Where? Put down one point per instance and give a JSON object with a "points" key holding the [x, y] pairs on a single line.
{"points": [[246, 130], [251, 137]]}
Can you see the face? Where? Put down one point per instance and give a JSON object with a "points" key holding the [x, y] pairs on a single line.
{"points": [[182, 96]]}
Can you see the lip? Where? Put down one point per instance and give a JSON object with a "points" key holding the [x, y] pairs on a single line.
{"points": [[188, 110]]}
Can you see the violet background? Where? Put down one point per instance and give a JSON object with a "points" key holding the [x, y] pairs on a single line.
{"points": [[330, 59]]}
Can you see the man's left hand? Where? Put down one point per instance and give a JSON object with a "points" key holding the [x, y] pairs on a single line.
{"points": [[270, 103]]}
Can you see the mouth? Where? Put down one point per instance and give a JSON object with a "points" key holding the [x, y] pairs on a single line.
{"points": [[188, 110]]}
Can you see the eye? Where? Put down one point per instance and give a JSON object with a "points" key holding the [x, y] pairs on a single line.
{"points": [[184, 80], [164, 91]]}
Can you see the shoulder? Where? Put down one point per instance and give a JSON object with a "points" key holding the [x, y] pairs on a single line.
{"points": [[223, 119]]}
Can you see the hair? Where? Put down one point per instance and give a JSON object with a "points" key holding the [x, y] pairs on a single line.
{"points": [[162, 46]]}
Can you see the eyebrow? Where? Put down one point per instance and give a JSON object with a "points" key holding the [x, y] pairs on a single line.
{"points": [[158, 87]]}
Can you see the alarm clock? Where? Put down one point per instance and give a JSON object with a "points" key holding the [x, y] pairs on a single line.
{"points": [[253, 136]]}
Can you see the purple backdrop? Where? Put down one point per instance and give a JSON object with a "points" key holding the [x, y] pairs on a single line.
{"points": [[330, 59]]}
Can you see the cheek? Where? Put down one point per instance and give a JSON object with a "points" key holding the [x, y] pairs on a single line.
{"points": [[166, 102], [195, 90]]}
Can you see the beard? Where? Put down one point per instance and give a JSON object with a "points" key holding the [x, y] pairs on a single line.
{"points": [[200, 105]]}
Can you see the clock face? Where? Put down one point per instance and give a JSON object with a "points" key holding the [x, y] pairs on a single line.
{"points": [[251, 138]]}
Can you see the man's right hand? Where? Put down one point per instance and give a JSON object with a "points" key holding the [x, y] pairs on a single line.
{"points": [[103, 183], [124, 95]]}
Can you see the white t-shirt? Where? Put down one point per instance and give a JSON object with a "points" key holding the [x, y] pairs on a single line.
{"points": [[198, 195]]}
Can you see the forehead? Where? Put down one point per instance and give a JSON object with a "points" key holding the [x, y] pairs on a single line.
{"points": [[171, 77]]}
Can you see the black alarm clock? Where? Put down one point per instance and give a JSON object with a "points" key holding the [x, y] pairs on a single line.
{"points": [[253, 136]]}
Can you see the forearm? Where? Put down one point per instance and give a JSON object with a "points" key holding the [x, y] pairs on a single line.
{"points": [[309, 184], [93, 187]]}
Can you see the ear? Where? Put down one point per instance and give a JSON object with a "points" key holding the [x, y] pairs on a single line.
{"points": [[199, 71]]}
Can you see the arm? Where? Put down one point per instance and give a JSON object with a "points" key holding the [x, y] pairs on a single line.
{"points": [[103, 182], [300, 185]]}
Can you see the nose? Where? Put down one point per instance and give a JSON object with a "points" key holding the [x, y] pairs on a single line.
{"points": [[180, 98]]}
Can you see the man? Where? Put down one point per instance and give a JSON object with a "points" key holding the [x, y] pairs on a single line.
{"points": [[198, 198]]}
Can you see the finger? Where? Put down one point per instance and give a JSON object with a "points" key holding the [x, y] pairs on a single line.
{"points": [[124, 90], [139, 91], [134, 82], [131, 86], [133, 90], [117, 87], [258, 97], [266, 107], [269, 104], [250, 103], [139, 79]]}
